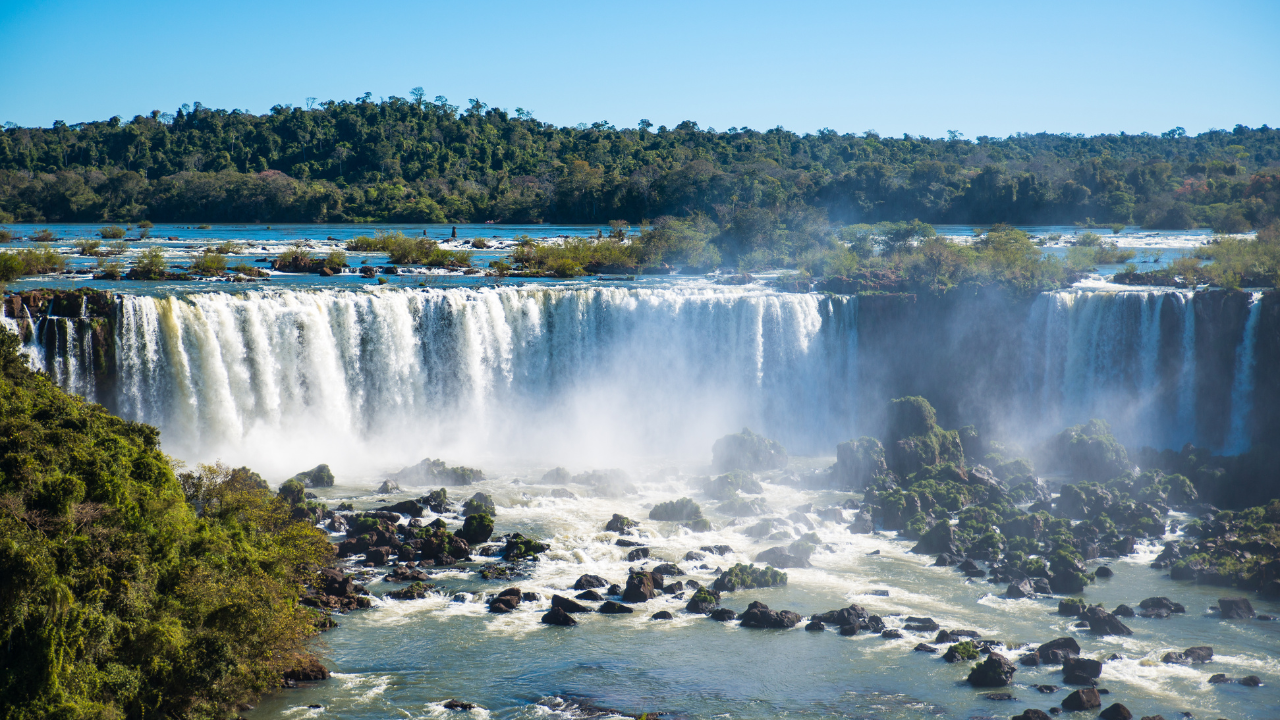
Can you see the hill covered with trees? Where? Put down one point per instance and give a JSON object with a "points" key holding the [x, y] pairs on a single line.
{"points": [[415, 160]]}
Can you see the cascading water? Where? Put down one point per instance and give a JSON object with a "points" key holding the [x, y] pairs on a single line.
{"points": [[1242, 387], [377, 379]]}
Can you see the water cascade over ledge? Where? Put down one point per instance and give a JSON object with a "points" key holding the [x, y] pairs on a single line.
{"points": [[276, 379]]}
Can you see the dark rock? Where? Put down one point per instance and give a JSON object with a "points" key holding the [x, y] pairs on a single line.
{"points": [[620, 542], [668, 569], [530, 597], [408, 508], [1251, 681], [662, 615], [591, 595], [1237, 608], [849, 630], [307, 668], [722, 615], [615, 608], [588, 582], [460, 705], [815, 626], [891, 634], [716, 549], [614, 589], [1090, 669], [694, 556], [620, 524], [1046, 689], [640, 588], [557, 616], [1032, 714], [637, 554], [779, 557], [1102, 622], [1104, 572], [758, 615], [1053, 652], [920, 624], [1116, 712], [925, 648], [1219, 679], [1071, 607], [941, 538], [569, 606], [999, 696], [479, 504], [1020, 589], [1123, 611], [995, 671], [1029, 660], [1082, 699], [1157, 603]]}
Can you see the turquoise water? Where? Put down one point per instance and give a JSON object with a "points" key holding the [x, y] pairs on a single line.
{"points": [[405, 658]]}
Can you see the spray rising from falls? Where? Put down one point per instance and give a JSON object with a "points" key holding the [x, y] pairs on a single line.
{"points": [[376, 379]]}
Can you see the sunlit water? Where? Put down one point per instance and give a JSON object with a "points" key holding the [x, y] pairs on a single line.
{"points": [[405, 658]]}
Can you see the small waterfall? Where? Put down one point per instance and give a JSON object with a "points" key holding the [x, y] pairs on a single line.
{"points": [[1184, 427], [1242, 385]]}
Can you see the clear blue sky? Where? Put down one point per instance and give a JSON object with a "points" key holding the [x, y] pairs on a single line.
{"points": [[920, 67]]}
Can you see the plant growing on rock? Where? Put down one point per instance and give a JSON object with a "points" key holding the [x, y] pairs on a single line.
{"points": [[748, 577], [681, 510]]}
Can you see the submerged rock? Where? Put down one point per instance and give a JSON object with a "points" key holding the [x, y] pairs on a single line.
{"points": [[615, 608], [1199, 654], [662, 615], [722, 615]]}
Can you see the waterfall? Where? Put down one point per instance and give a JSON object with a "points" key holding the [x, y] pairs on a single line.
{"points": [[590, 376], [1242, 385]]}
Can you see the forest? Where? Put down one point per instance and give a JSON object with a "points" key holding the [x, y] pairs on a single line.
{"points": [[415, 160]]}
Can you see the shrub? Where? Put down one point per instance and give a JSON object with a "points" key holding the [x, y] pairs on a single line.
{"points": [[335, 260], [146, 225], [680, 510], [5, 236], [114, 232], [151, 264], [1088, 239], [210, 263], [43, 235], [748, 577], [88, 248], [11, 266]]}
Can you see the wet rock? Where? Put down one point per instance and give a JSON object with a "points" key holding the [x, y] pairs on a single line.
{"points": [[1020, 589], [1237, 608], [437, 501], [589, 582], [668, 569], [590, 595], [1046, 689], [480, 503], [941, 538], [925, 648], [758, 615], [614, 589], [615, 608], [1104, 572], [854, 615], [999, 696], [638, 554], [662, 615], [995, 671], [620, 542], [1082, 699], [716, 549], [1123, 611], [1102, 622], [1080, 671], [558, 616], [1219, 679], [1251, 681], [569, 606], [849, 630], [620, 524], [747, 451], [694, 556], [779, 557], [640, 588], [388, 487], [460, 705], [1071, 607], [722, 615], [815, 626], [1054, 651], [921, 624], [1159, 603], [891, 634], [1029, 660], [1032, 714], [408, 508], [1199, 654], [307, 668], [1116, 712]]}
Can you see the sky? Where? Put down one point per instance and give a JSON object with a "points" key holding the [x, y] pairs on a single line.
{"points": [[922, 67]]}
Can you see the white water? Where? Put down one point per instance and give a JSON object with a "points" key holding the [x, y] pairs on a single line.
{"points": [[374, 380], [1242, 387]]}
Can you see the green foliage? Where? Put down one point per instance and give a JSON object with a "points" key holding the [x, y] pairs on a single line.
{"points": [[121, 598], [210, 263], [749, 577], [681, 510], [1089, 452], [30, 261], [727, 486], [476, 529], [335, 260], [151, 264], [114, 232], [965, 650]]}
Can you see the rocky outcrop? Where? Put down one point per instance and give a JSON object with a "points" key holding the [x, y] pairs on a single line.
{"points": [[747, 451], [332, 590], [913, 439], [758, 615], [558, 616], [1082, 699], [858, 463], [430, 472], [319, 476], [620, 524], [995, 671], [1235, 608]]}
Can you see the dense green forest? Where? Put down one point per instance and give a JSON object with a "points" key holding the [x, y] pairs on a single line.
{"points": [[414, 160], [129, 591]]}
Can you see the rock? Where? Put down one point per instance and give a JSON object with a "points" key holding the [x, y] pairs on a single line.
{"points": [[615, 608], [1029, 660], [1251, 681], [307, 668], [682, 510], [1199, 654], [614, 589], [503, 604], [849, 630], [1082, 699], [388, 487], [858, 462], [1123, 611], [460, 705], [921, 647], [1054, 651], [854, 615], [620, 524], [479, 503], [941, 538], [779, 557], [891, 634], [1237, 608], [815, 626], [557, 616], [1071, 607], [638, 554], [1032, 714], [668, 570], [430, 472], [716, 549], [1218, 679], [1075, 669], [319, 476], [588, 582], [1102, 622], [662, 615], [622, 542], [590, 595], [1020, 589], [476, 529], [1104, 572], [437, 501], [567, 605], [530, 597], [921, 624], [995, 671], [747, 451], [999, 696], [640, 588], [1116, 712], [722, 614], [694, 556], [758, 615], [1158, 603], [1046, 689]]}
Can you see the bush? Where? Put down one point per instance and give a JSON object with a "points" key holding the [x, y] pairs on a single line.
{"points": [[146, 225], [748, 577], [151, 264], [114, 232], [210, 263], [88, 248], [335, 260], [11, 267], [680, 510], [43, 235], [30, 261], [5, 236]]}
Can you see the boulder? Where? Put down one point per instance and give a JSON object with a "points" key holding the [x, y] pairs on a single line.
{"points": [[1237, 608], [437, 501], [704, 601], [758, 615], [921, 647], [1078, 668], [589, 582], [567, 605], [1020, 589], [638, 554], [722, 615], [694, 556], [431, 471], [557, 616], [662, 615], [591, 595], [1104, 572], [640, 588], [1123, 610], [747, 451], [995, 671], [1054, 651], [1116, 711], [620, 524], [1032, 714], [1102, 622], [319, 476], [779, 557], [307, 668], [479, 503], [1251, 681], [940, 538], [615, 608], [682, 510], [858, 463], [408, 508], [1082, 699], [815, 626], [1199, 654], [668, 570]]}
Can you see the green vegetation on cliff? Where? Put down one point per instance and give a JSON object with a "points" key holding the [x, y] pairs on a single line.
{"points": [[121, 598]]}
